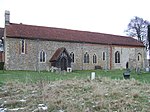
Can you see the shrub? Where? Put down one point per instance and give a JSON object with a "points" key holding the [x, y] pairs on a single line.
{"points": [[1, 65]]}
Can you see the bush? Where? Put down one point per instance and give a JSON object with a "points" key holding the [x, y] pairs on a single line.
{"points": [[1, 65]]}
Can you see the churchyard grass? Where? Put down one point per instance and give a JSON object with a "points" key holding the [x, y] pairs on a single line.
{"points": [[32, 76], [29, 91]]}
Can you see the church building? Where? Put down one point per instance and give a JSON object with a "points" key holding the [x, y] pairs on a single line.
{"points": [[30, 47]]}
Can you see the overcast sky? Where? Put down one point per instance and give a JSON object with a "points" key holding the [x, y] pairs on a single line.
{"points": [[104, 16]]}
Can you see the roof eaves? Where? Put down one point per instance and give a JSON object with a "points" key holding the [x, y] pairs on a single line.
{"points": [[133, 45], [73, 41]]}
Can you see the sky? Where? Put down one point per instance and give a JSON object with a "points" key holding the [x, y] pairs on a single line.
{"points": [[104, 16]]}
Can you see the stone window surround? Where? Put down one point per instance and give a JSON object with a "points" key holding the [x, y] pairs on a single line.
{"points": [[139, 56], [72, 57], [117, 57], [94, 58], [22, 46], [42, 56], [86, 58], [103, 56]]}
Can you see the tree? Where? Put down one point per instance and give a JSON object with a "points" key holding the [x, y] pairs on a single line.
{"points": [[148, 36], [137, 27], [148, 39]]}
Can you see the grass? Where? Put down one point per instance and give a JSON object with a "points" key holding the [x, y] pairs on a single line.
{"points": [[77, 95], [23, 91], [32, 76]]}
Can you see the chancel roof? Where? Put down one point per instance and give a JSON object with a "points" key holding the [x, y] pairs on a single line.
{"points": [[60, 34]]}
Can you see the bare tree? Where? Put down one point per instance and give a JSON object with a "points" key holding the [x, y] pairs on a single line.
{"points": [[148, 41], [137, 27]]}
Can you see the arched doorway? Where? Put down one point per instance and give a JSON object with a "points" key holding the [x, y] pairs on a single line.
{"points": [[127, 65], [63, 64]]}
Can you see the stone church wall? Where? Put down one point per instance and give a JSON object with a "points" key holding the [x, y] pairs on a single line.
{"points": [[30, 60], [130, 55], [14, 60]]}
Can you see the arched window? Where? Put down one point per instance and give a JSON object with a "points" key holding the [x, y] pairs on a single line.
{"points": [[117, 57], [22, 46], [86, 58], [104, 55], [42, 56], [94, 59], [139, 57], [72, 57]]}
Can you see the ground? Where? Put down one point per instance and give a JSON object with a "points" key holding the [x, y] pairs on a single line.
{"points": [[76, 95]]}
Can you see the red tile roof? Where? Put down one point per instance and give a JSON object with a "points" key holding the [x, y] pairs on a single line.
{"points": [[58, 53], [1, 32], [58, 34]]}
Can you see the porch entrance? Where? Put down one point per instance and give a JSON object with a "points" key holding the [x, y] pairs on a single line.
{"points": [[61, 59], [63, 64]]}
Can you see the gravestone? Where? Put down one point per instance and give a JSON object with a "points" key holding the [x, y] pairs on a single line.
{"points": [[126, 74], [92, 75]]}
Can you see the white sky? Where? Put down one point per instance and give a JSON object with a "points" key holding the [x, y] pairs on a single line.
{"points": [[104, 16]]}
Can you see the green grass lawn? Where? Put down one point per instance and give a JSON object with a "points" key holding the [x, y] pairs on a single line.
{"points": [[32, 76]]}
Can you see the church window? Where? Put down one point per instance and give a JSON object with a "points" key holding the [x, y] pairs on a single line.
{"points": [[72, 57], [139, 57], [22, 46], [86, 58], [104, 55], [42, 56], [94, 59], [117, 57]]}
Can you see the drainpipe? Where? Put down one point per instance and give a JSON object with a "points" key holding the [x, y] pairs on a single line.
{"points": [[110, 57], [82, 55], [107, 55], [37, 55]]}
